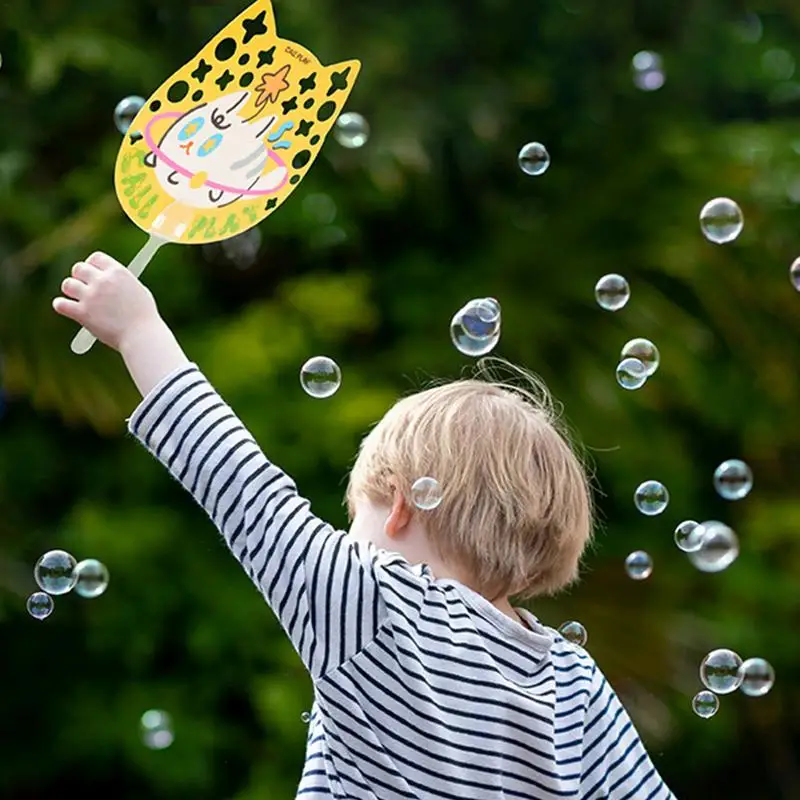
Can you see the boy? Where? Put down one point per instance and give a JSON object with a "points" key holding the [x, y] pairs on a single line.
{"points": [[428, 683]]}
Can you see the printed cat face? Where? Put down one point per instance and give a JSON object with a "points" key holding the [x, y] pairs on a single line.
{"points": [[225, 140], [211, 156]]}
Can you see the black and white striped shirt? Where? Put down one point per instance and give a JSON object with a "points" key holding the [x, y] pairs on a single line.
{"points": [[423, 688]]}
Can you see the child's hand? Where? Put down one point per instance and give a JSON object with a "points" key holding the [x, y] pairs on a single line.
{"points": [[106, 298]]}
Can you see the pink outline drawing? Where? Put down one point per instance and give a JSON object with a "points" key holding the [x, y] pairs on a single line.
{"points": [[148, 137]]}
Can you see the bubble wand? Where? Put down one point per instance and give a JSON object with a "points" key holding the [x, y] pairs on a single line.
{"points": [[227, 138]]}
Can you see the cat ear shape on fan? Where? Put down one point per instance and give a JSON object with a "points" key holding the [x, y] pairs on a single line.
{"points": [[226, 139]]}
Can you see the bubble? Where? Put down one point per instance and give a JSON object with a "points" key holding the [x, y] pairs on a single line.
{"points": [[705, 704], [651, 498], [733, 479], [55, 572], [305, 717], [794, 274], [426, 493], [689, 536], [40, 605], [648, 73], [574, 632], [320, 377], [645, 351], [156, 729], [92, 578], [242, 250], [351, 130], [480, 319], [475, 329], [719, 548], [534, 159], [721, 671], [721, 220], [320, 208], [758, 677], [631, 373], [639, 565], [126, 111], [612, 292]]}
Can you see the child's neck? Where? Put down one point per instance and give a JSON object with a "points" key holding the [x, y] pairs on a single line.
{"points": [[501, 603]]}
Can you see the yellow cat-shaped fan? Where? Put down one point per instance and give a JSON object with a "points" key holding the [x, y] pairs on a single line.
{"points": [[224, 141]]}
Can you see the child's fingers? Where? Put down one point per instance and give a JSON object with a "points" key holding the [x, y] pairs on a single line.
{"points": [[85, 272], [100, 260], [67, 308], [73, 288]]}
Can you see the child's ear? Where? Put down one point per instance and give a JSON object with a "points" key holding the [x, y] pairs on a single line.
{"points": [[399, 517]]}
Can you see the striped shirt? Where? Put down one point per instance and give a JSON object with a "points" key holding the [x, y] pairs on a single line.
{"points": [[423, 689]]}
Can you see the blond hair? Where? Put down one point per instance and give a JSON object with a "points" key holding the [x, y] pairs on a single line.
{"points": [[516, 512]]}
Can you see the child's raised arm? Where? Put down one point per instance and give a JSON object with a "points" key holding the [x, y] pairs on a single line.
{"points": [[320, 583]]}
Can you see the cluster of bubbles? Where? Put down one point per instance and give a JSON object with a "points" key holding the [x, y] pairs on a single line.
{"points": [[648, 72], [475, 331], [351, 130], [475, 328], [723, 672], [156, 729], [57, 572]]}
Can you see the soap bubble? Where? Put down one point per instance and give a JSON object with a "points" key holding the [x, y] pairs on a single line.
{"points": [[55, 572], [475, 329], [320, 377], [758, 677], [689, 536], [156, 729], [705, 704], [721, 671], [645, 351], [351, 130], [651, 498], [40, 605], [719, 547], [126, 111], [481, 318], [721, 220], [305, 717], [426, 494], [534, 159], [242, 250], [794, 274], [631, 373], [574, 632], [733, 479], [612, 292], [648, 74], [639, 565], [92, 578]]}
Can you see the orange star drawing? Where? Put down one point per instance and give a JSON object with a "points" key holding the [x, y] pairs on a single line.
{"points": [[272, 85]]}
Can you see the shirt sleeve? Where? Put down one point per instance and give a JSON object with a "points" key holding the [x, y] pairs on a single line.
{"points": [[615, 764], [319, 583]]}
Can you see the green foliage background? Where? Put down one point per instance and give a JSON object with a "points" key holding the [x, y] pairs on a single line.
{"points": [[367, 263]]}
